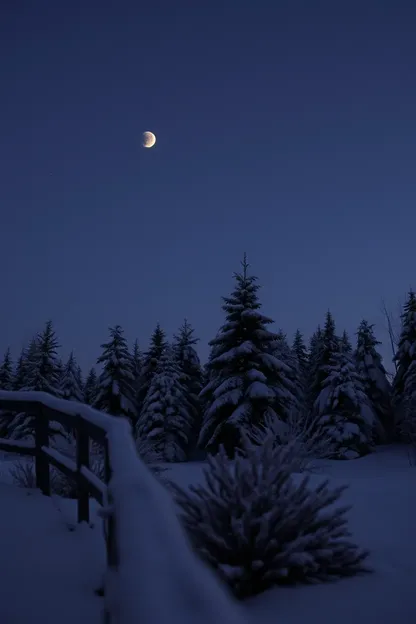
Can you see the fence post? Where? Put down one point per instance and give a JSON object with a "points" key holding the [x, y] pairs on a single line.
{"points": [[41, 462], [83, 459], [109, 529]]}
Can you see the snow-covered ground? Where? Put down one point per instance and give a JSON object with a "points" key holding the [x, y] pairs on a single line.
{"points": [[49, 571]]}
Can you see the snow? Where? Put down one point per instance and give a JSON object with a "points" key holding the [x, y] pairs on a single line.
{"points": [[50, 572], [44, 573]]}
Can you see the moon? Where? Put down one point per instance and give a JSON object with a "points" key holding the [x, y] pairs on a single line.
{"points": [[149, 139]]}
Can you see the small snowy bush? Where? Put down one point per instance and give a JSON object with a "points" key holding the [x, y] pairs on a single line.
{"points": [[305, 444], [257, 528]]}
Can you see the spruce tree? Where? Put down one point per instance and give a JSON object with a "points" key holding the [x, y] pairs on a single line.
{"points": [[40, 372], [245, 383], [346, 345], [6, 372], [115, 384], [91, 388], [6, 383], [372, 372], [326, 346], [404, 387], [301, 354], [137, 361], [191, 373], [344, 413], [70, 382], [294, 405], [151, 359], [43, 370], [24, 364], [166, 418]]}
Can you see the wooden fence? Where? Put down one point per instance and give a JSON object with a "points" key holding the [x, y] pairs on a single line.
{"points": [[44, 409]]}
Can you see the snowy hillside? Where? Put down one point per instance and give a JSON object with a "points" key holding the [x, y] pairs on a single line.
{"points": [[51, 566]]}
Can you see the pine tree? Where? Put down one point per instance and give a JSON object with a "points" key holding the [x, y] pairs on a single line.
{"points": [[39, 370], [346, 345], [91, 388], [344, 413], [115, 384], [404, 386], [6, 383], [166, 418], [6, 372], [294, 406], [300, 352], [24, 365], [70, 382], [372, 372], [191, 374], [327, 345], [137, 359], [150, 363], [245, 378], [43, 369]]}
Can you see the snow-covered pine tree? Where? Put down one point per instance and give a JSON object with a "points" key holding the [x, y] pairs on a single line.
{"points": [[70, 386], [314, 357], [41, 373], [343, 411], [151, 359], [191, 374], [301, 354], [166, 418], [137, 361], [6, 372], [372, 372], [43, 363], [346, 345], [327, 344], [24, 365], [246, 380], [80, 378], [258, 527], [404, 388], [115, 393], [292, 382], [6, 383], [91, 388]]}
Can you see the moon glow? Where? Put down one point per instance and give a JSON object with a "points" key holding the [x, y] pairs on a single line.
{"points": [[149, 139]]}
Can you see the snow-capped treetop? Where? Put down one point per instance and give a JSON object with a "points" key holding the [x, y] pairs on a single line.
{"points": [[300, 352], [345, 343], [244, 374], [343, 408], [368, 359], [150, 361], [166, 416], [41, 364], [115, 384], [406, 351], [91, 387], [70, 386]]}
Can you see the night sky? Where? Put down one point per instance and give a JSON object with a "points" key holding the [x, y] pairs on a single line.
{"points": [[284, 129]]}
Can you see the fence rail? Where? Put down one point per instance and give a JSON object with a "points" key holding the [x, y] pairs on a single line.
{"points": [[139, 516], [88, 425], [88, 484]]}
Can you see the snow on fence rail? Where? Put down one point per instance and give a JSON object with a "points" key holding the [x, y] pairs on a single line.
{"points": [[152, 574]]}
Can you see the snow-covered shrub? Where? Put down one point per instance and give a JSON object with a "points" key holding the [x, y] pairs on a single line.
{"points": [[257, 528], [23, 474], [304, 443]]}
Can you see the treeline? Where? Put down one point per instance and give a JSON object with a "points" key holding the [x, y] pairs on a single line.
{"points": [[330, 387]]}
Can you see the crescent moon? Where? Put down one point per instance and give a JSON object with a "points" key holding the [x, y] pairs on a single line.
{"points": [[149, 139]]}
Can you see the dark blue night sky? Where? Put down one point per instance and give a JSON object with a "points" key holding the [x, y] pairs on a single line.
{"points": [[285, 129]]}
